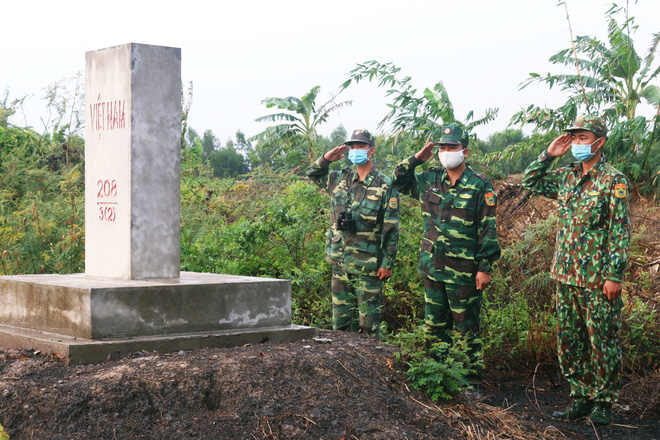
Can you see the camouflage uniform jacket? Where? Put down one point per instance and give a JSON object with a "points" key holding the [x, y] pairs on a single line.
{"points": [[375, 206], [460, 237], [594, 231]]}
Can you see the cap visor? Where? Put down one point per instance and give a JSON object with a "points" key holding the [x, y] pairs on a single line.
{"points": [[447, 143]]}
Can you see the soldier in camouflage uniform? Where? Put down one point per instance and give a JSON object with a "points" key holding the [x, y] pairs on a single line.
{"points": [[460, 238], [363, 235], [589, 262]]}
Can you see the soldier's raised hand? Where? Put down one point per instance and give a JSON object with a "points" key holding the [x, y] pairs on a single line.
{"points": [[425, 153], [560, 145], [335, 154]]}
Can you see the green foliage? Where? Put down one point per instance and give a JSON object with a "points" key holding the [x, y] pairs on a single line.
{"points": [[438, 378], [420, 116], [209, 143], [3, 434], [269, 226], [641, 334], [403, 293], [509, 152], [41, 206], [228, 161], [42, 187], [518, 316]]}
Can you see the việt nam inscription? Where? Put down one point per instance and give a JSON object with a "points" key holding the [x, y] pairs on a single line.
{"points": [[107, 115]]}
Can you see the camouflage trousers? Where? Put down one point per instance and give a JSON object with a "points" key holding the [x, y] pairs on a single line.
{"points": [[356, 302], [588, 345], [452, 307]]}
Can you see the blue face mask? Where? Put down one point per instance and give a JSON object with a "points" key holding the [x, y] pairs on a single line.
{"points": [[582, 152], [358, 157]]}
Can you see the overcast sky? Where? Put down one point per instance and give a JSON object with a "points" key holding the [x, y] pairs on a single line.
{"points": [[239, 52]]}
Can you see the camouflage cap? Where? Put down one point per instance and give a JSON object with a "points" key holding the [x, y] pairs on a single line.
{"points": [[590, 123], [452, 134], [362, 137]]}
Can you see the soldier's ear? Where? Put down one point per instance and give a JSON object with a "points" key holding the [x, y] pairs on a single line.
{"points": [[599, 147]]}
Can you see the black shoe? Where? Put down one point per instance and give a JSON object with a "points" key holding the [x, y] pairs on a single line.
{"points": [[577, 410], [601, 414]]}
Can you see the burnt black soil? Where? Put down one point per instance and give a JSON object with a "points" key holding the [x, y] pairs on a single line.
{"points": [[336, 386]]}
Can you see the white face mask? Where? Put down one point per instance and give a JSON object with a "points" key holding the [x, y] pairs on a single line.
{"points": [[451, 159]]}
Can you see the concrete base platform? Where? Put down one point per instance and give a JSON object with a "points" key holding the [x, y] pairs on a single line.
{"points": [[76, 351], [88, 319]]}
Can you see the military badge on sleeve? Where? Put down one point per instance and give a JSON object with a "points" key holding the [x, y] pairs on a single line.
{"points": [[620, 190], [394, 203], [490, 198]]}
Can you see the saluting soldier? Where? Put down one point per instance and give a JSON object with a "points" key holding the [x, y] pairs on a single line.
{"points": [[363, 235], [459, 244], [589, 262]]}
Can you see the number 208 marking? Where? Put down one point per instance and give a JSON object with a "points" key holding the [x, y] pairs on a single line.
{"points": [[107, 188]]}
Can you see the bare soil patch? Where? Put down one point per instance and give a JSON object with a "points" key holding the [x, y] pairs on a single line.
{"points": [[335, 386]]}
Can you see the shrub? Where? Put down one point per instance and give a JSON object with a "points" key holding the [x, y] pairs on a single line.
{"points": [[439, 378]]}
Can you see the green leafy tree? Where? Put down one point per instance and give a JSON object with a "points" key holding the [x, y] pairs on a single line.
{"points": [[227, 162], [418, 115], [190, 136], [508, 152], [270, 155], [210, 143], [301, 119], [242, 144], [337, 137], [500, 140]]}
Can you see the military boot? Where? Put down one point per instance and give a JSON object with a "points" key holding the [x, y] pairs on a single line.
{"points": [[578, 409], [601, 414]]}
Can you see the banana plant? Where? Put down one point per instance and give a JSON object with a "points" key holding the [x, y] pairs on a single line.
{"points": [[299, 120], [610, 79]]}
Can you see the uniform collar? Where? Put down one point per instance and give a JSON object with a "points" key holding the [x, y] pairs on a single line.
{"points": [[465, 176], [577, 167], [367, 180]]}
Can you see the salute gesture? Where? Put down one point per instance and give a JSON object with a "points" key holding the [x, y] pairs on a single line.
{"points": [[335, 154], [425, 153], [560, 145]]}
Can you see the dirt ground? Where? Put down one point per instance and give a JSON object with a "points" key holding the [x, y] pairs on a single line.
{"points": [[334, 386]]}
